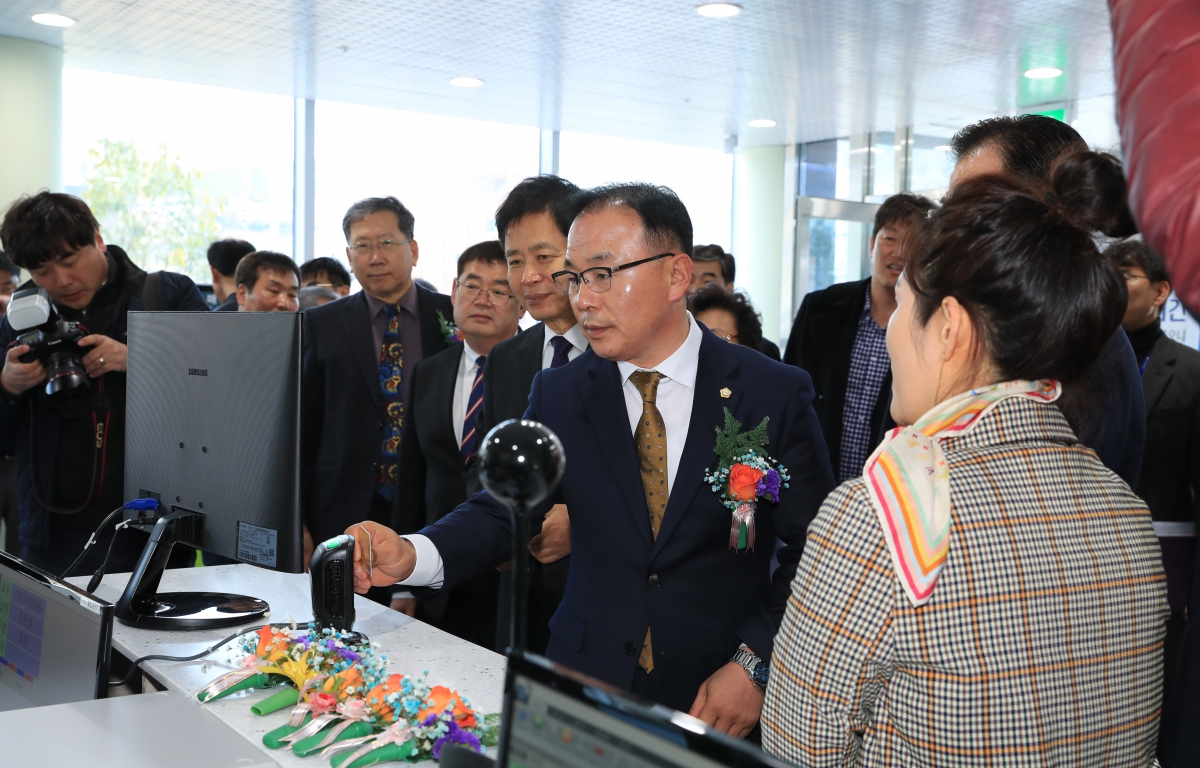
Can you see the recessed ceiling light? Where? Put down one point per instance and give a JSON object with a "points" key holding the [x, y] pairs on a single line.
{"points": [[53, 19], [466, 82], [719, 10], [1042, 73], [761, 123]]}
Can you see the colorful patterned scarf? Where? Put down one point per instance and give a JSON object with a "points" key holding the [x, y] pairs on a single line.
{"points": [[909, 482]]}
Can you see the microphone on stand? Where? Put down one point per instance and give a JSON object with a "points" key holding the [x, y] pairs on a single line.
{"points": [[520, 463]]}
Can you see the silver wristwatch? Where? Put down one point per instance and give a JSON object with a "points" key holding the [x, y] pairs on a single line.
{"points": [[756, 668]]}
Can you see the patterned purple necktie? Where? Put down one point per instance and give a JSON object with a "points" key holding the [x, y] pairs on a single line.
{"points": [[473, 405], [561, 348]]}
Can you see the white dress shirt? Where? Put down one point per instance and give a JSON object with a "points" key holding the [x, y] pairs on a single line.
{"points": [[579, 345], [676, 391], [462, 389]]}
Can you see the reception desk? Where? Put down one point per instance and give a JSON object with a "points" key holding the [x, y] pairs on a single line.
{"points": [[412, 647]]}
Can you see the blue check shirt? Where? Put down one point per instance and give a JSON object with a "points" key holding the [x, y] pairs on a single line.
{"points": [[869, 365]]}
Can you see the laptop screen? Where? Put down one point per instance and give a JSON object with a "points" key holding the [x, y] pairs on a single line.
{"points": [[556, 717], [54, 639]]}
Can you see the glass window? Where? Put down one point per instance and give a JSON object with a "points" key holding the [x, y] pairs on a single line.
{"points": [[931, 161], [169, 167], [450, 172], [825, 169], [703, 178], [883, 163]]}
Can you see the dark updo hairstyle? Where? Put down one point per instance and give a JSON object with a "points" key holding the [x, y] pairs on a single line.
{"points": [[749, 324], [1026, 269]]}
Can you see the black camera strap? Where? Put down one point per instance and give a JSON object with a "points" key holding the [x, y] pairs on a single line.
{"points": [[101, 420]]}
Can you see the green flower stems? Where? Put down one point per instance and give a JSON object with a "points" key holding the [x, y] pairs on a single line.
{"points": [[305, 747], [258, 680], [385, 754], [274, 739], [276, 701]]}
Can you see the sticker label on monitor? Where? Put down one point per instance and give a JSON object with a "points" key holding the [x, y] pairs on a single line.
{"points": [[256, 544]]}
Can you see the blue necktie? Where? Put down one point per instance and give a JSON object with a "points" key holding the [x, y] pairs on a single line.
{"points": [[473, 406], [391, 375], [561, 348]]}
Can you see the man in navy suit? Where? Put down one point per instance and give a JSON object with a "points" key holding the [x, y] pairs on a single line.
{"points": [[353, 413], [657, 601]]}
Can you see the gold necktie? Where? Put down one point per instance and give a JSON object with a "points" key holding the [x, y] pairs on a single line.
{"points": [[650, 439]]}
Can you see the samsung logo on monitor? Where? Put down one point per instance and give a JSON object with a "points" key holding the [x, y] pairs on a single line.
{"points": [[197, 371]]}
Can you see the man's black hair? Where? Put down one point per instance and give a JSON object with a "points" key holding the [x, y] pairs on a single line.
{"points": [[46, 226], [666, 224], [224, 255], [314, 296], [1029, 144], [536, 194], [1135, 253], [488, 252], [334, 270], [904, 207], [6, 265], [364, 208], [253, 264], [717, 253]]}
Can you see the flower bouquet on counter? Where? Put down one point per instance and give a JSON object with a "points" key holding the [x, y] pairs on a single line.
{"points": [[745, 474], [344, 703]]}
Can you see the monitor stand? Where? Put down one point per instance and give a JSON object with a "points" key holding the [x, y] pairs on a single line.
{"points": [[142, 606]]}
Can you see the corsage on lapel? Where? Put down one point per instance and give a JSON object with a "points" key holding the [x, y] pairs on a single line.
{"points": [[744, 475], [450, 331]]}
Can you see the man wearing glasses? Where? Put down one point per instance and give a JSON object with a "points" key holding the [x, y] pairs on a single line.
{"points": [[359, 354], [440, 434], [660, 599]]}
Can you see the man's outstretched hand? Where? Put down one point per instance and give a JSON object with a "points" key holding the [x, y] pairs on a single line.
{"points": [[390, 557], [729, 702]]}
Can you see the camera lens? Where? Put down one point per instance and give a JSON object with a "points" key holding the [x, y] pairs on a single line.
{"points": [[66, 377]]}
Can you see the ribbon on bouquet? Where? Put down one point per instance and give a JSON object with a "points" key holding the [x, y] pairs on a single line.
{"points": [[394, 743], [309, 703], [741, 529], [349, 715], [249, 676]]}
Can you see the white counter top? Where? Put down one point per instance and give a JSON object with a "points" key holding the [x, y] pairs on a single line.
{"points": [[411, 646]]}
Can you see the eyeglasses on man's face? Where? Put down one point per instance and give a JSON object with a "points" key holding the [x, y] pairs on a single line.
{"points": [[1131, 276], [497, 297], [385, 247], [598, 279]]}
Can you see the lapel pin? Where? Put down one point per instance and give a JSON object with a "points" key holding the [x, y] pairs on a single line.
{"points": [[726, 392]]}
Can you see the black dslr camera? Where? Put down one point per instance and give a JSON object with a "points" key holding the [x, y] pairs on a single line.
{"points": [[52, 340]]}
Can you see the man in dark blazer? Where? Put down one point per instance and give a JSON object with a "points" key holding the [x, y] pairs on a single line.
{"points": [[350, 427], [440, 433], [1106, 409], [532, 223], [657, 599], [839, 338], [1170, 479]]}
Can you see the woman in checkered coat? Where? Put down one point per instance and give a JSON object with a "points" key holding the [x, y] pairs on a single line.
{"points": [[987, 593]]}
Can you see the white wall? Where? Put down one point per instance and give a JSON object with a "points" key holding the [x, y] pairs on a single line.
{"points": [[30, 118]]}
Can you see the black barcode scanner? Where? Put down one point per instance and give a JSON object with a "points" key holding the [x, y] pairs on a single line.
{"points": [[332, 573]]}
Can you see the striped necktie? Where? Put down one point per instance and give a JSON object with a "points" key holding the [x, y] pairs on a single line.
{"points": [[473, 405]]}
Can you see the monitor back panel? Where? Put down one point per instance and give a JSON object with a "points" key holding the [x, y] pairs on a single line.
{"points": [[213, 426]]}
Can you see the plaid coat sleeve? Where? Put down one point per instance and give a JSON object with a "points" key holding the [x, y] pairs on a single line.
{"points": [[833, 654]]}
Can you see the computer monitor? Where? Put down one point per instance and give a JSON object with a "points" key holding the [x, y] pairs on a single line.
{"points": [[213, 432], [555, 716], [54, 639]]}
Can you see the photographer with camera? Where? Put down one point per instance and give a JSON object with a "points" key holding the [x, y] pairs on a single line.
{"points": [[62, 384]]}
